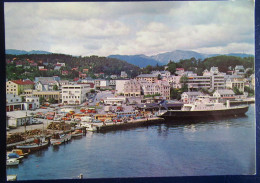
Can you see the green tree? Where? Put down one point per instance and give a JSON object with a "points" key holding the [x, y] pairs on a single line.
{"points": [[92, 91], [51, 100], [250, 91], [55, 87], [236, 91], [41, 100], [171, 67]]}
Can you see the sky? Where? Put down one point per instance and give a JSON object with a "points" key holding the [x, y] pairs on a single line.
{"points": [[130, 28]]}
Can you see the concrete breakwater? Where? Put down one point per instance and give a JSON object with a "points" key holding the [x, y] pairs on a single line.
{"points": [[128, 124]]}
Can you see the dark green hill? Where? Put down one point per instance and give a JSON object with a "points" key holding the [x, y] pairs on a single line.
{"points": [[95, 64]]}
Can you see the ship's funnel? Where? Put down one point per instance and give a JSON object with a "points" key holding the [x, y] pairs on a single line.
{"points": [[228, 104]]}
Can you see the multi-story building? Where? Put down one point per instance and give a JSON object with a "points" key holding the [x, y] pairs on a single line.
{"points": [[236, 83], [75, 94], [112, 82], [17, 87], [120, 86], [212, 79], [151, 78], [132, 88], [159, 87], [101, 83]]}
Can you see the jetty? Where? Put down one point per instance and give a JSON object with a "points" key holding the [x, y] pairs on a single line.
{"points": [[127, 124]]}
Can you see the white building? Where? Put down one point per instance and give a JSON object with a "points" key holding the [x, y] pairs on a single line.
{"points": [[188, 97], [224, 94], [123, 74], [75, 94], [101, 83], [115, 100], [18, 118], [112, 82], [35, 100], [46, 85], [159, 87], [120, 85], [235, 83], [12, 98]]}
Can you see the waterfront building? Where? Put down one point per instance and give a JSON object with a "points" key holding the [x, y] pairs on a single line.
{"points": [[235, 83], [152, 78], [224, 94], [132, 88], [75, 94], [189, 97], [17, 87], [19, 118], [15, 103], [120, 86]]}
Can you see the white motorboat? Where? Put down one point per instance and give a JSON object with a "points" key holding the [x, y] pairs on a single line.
{"points": [[12, 162]]}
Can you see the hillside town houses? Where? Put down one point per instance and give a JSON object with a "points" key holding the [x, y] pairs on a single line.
{"points": [[25, 95]]}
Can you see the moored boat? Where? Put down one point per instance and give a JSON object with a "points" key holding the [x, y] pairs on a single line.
{"points": [[77, 133], [35, 146], [204, 108], [20, 152], [12, 162], [59, 138]]}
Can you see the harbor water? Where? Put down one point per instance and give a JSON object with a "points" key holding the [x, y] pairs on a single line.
{"points": [[172, 148]]}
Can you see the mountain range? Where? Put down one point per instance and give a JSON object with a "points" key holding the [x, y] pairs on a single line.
{"points": [[164, 58], [22, 52], [143, 60]]}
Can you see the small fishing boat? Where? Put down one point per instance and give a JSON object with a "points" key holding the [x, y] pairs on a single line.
{"points": [[35, 146], [77, 133], [90, 127], [59, 138], [20, 152], [12, 162], [14, 156]]}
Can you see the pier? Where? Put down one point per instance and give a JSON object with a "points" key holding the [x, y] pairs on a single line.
{"points": [[131, 123]]}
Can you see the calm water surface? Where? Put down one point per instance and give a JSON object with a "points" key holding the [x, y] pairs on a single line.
{"points": [[222, 147]]}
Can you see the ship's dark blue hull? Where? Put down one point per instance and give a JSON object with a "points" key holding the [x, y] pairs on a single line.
{"points": [[178, 114]]}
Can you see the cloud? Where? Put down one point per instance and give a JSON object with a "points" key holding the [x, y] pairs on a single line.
{"points": [[99, 28]]}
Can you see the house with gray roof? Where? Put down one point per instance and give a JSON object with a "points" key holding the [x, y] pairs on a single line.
{"points": [[189, 97]]}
